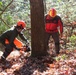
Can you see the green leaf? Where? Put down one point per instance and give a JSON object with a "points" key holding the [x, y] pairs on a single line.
{"points": [[1, 4]]}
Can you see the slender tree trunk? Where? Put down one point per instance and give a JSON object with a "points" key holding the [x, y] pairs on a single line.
{"points": [[37, 28]]}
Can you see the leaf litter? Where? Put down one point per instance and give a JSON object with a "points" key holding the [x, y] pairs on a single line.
{"points": [[24, 64]]}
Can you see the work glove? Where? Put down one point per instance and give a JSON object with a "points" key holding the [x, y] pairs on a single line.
{"points": [[27, 48]]}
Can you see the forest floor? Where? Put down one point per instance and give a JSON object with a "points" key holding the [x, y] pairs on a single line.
{"points": [[23, 64]]}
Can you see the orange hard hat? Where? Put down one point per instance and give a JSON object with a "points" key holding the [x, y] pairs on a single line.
{"points": [[52, 12], [21, 24]]}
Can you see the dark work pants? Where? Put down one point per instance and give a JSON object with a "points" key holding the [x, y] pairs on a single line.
{"points": [[7, 52], [55, 36]]}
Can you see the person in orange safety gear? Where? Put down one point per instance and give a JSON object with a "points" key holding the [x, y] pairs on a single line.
{"points": [[11, 35], [53, 24]]}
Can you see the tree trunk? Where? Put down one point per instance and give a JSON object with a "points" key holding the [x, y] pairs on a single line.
{"points": [[37, 28]]}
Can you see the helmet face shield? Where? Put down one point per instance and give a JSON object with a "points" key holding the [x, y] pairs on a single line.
{"points": [[52, 12]]}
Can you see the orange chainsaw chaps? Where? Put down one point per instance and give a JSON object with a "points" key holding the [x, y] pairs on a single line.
{"points": [[17, 42]]}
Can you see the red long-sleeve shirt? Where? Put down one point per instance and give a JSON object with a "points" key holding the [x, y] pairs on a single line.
{"points": [[51, 25]]}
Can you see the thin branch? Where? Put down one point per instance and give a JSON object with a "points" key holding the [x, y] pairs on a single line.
{"points": [[4, 22], [6, 7]]}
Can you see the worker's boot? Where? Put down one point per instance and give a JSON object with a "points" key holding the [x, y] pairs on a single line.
{"points": [[3, 59]]}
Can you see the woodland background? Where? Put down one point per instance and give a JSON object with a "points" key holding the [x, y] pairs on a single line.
{"points": [[65, 63], [13, 10]]}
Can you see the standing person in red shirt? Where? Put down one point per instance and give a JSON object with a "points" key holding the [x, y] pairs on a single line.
{"points": [[53, 24]]}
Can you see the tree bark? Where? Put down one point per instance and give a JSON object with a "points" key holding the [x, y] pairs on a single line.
{"points": [[37, 28]]}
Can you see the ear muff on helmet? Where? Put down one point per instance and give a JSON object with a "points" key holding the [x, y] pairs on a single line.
{"points": [[52, 12], [21, 24]]}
